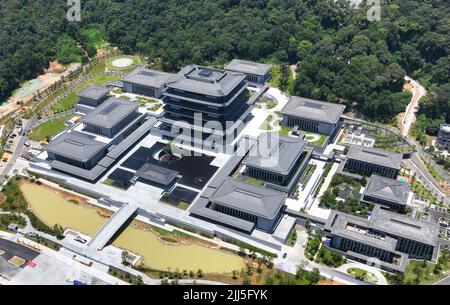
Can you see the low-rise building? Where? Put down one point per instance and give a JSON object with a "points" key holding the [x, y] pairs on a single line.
{"points": [[385, 239], [367, 161], [243, 206], [146, 82], [278, 160], [443, 138], [110, 117], [389, 193], [77, 149], [91, 97], [312, 115], [256, 73]]}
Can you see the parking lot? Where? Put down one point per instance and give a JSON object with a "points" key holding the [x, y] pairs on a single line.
{"points": [[8, 250]]}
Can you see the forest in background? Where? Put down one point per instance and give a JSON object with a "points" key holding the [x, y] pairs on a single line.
{"points": [[341, 56]]}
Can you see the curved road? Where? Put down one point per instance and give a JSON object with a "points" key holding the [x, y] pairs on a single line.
{"points": [[418, 91]]}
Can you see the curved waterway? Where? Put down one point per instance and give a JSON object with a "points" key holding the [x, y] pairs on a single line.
{"points": [[53, 209]]}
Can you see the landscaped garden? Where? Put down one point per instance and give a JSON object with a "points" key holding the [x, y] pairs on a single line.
{"points": [[363, 275], [316, 139], [344, 186], [422, 272], [49, 129], [71, 99]]}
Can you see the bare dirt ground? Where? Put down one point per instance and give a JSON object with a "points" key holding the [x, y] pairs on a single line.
{"points": [[56, 67]]}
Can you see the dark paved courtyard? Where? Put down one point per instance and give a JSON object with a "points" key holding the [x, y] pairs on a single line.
{"points": [[196, 171]]}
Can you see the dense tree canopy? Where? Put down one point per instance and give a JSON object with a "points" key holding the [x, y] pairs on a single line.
{"points": [[341, 56]]}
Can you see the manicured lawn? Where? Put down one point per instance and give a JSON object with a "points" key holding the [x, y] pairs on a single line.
{"points": [[285, 130], [320, 142], [49, 129], [71, 99], [362, 274]]}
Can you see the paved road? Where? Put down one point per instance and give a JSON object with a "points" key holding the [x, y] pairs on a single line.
{"points": [[418, 92], [445, 281], [295, 257]]}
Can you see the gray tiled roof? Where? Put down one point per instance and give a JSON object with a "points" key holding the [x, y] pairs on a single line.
{"points": [[313, 110], [248, 67], [375, 156], [396, 224], [275, 154], [204, 80], [76, 146], [88, 174], [249, 198], [390, 223], [157, 173], [110, 113], [387, 189], [147, 77], [94, 92]]}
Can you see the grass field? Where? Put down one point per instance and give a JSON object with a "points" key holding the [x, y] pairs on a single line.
{"points": [[70, 100], [320, 142], [49, 129]]}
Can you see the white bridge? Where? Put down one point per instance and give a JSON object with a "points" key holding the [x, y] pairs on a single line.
{"points": [[107, 231]]}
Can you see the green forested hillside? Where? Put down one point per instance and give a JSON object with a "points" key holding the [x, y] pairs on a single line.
{"points": [[342, 57]]}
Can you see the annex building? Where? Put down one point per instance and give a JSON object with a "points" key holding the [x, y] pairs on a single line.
{"points": [[278, 161], [385, 238], [368, 160], [255, 73], [90, 98], [443, 137], [312, 115], [91, 146], [146, 82], [389, 193]]}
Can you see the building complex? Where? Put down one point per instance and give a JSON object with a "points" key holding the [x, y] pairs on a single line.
{"points": [[249, 192]]}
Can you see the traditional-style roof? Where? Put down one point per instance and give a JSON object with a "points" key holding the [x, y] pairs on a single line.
{"points": [[147, 77], [391, 225], [76, 146], [248, 198], [248, 67], [94, 92], [276, 154], [204, 80], [313, 110], [375, 156], [157, 174], [109, 113], [387, 189]]}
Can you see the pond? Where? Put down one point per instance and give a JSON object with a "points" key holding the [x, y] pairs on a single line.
{"points": [[53, 209], [189, 257]]}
